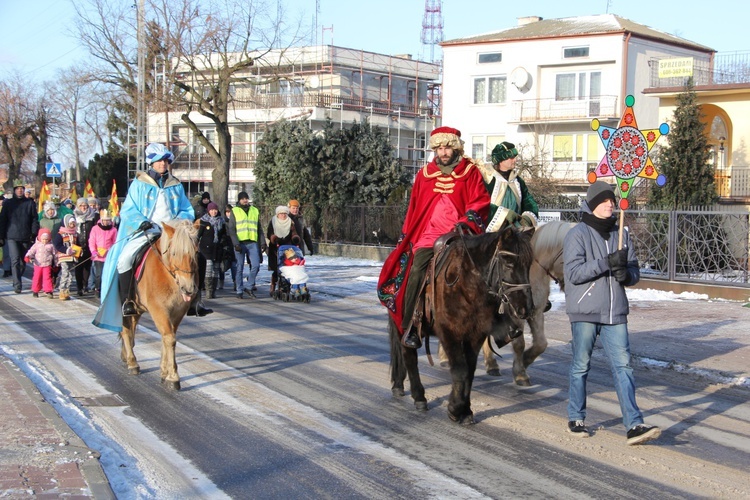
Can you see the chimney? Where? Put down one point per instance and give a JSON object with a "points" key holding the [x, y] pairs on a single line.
{"points": [[523, 21]]}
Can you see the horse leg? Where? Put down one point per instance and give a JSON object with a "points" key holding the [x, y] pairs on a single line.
{"points": [[403, 362], [539, 339], [127, 342], [519, 370], [463, 356], [170, 379]]}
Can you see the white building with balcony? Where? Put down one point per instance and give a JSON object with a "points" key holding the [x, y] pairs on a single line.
{"points": [[540, 84], [314, 84]]}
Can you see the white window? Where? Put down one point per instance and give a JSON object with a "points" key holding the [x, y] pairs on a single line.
{"points": [[490, 57], [576, 147], [571, 52], [482, 146], [581, 86], [490, 90]]}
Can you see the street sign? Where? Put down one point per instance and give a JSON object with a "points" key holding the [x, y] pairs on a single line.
{"points": [[54, 169]]}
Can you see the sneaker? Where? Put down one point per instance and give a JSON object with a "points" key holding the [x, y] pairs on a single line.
{"points": [[578, 428], [250, 293], [642, 433], [240, 296]]}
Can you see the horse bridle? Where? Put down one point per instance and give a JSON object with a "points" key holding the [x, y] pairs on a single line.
{"points": [[501, 294], [173, 270]]}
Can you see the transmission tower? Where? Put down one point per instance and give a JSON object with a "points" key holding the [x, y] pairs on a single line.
{"points": [[432, 25]]}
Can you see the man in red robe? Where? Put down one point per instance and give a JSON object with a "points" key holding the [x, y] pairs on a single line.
{"points": [[448, 192]]}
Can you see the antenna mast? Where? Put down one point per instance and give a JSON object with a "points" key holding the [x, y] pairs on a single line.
{"points": [[432, 25]]}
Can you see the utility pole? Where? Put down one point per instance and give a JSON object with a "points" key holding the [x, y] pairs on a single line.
{"points": [[140, 123]]}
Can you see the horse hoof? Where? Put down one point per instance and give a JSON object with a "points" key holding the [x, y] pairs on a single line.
{"points": [[170, 385], [134, 371], [462, 420], [397, 391], [493, 372], [523, 382], [420, 405]]}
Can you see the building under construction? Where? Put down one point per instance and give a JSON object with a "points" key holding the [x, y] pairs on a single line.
{"points": [[315, 84]]}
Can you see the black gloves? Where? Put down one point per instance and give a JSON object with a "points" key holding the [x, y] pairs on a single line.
{"points": [[618, 262], [145, 226], [618, 258]]}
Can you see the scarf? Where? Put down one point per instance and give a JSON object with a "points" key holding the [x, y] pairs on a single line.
{"points": [[217, 223], [601, 226], [281, 229]]}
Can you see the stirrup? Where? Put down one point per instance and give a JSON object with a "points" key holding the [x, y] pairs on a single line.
{"points": [[128, 308], [411, 339]]}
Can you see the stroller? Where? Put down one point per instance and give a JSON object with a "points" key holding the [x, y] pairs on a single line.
{"points": [[292, 284]]}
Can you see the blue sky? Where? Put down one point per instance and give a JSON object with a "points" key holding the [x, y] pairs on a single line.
{"points": [[387, 26]]}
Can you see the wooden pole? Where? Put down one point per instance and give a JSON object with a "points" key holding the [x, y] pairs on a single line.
{"points": [[622, 223]]}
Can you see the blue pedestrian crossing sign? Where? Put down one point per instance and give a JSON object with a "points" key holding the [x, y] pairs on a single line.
{"points": [[54, 170]]}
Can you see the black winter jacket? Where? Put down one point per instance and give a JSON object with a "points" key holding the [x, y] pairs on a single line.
{"points": [[19, 220]]}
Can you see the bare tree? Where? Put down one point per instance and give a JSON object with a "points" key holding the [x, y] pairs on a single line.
{"points": [[17, 121], [206, 49]]}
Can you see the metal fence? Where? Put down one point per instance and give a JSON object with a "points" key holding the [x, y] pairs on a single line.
{"points": [[704, 246]]}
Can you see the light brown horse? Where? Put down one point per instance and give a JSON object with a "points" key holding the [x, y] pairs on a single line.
{"points": [[168, 285], [547, 265]]}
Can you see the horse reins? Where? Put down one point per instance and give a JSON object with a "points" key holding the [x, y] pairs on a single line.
{"points": [[552, 276]]}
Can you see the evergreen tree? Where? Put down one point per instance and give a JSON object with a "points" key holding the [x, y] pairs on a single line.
{"points": [[685, 160], [103, 168]]}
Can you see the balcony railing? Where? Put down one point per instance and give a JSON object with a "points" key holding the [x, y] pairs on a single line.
{"points": [[550, 110], [728, 69], [733, 183]]}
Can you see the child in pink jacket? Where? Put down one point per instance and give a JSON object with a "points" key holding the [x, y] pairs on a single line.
{"points": [[42, 253], [103, 236]]}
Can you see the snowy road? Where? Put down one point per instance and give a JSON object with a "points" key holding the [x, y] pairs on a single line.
{"points": [[293, 400]]}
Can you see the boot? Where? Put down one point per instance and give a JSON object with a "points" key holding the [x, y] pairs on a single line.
{"points": [[126, 293], [198, 309], [411, 339], [210, 288], [64, 295]]}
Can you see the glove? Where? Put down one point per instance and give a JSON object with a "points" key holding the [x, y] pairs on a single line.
{"points": [[526, 221], [145, 226], [274, 239], [618, 259], [512, 216], [27, 260], [237, 248], [620, 274], [263, 248]]}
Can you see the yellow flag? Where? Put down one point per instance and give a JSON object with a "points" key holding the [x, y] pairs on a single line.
{"points": [[44, 195], [88, 191], [114, 201], [73, 194]]}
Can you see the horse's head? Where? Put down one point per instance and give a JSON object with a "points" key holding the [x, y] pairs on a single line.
{"points": [[179, 251], [509, 274]]}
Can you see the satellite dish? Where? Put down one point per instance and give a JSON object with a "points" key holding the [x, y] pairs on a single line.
{"points": [[313, 82], [521, 79]]}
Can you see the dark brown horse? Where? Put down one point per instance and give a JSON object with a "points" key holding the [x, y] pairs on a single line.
{"points": [[480, 289], [166, 290]]}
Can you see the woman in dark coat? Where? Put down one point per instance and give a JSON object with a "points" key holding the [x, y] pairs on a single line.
{"points": [[280, 231], [210, 245]]}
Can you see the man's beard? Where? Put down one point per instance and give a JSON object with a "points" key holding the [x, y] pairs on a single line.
{"points": [[447, 162]]}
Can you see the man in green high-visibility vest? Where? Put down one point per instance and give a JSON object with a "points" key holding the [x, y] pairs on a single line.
{"points": [[248, 240]]}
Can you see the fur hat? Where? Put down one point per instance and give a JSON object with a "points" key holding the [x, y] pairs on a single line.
{"points": [[503, 151], [446, 136], [68, 219], [281, 209], [597, 193], [49, 205], [212, 206], [104, 214]]}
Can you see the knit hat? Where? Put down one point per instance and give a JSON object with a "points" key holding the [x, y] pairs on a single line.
{"points": [[212, 206], [503, 151], [93, 201], [205, 196], [156, 152], [68, 219], [82, 201], [292, 203], [104, 214], [67, 201], [446, 136], [42, 231], [597, 193], [281, 209], [242, 196], [49, 205]]}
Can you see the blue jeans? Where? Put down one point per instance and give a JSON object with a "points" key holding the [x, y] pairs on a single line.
{"points": [[251, 253], [616, 346]]}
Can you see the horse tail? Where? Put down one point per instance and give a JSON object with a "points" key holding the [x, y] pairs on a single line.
{"points": [[398, 367]]}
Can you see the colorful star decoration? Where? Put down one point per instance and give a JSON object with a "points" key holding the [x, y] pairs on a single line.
{"points": [[627, 151]]}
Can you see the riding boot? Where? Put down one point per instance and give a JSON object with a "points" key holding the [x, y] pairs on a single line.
{"points": [[210, 287], [411, 339], [198, 309], [126, 293]]}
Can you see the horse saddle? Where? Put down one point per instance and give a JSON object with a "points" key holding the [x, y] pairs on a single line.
{"points": [[139, 259]]}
